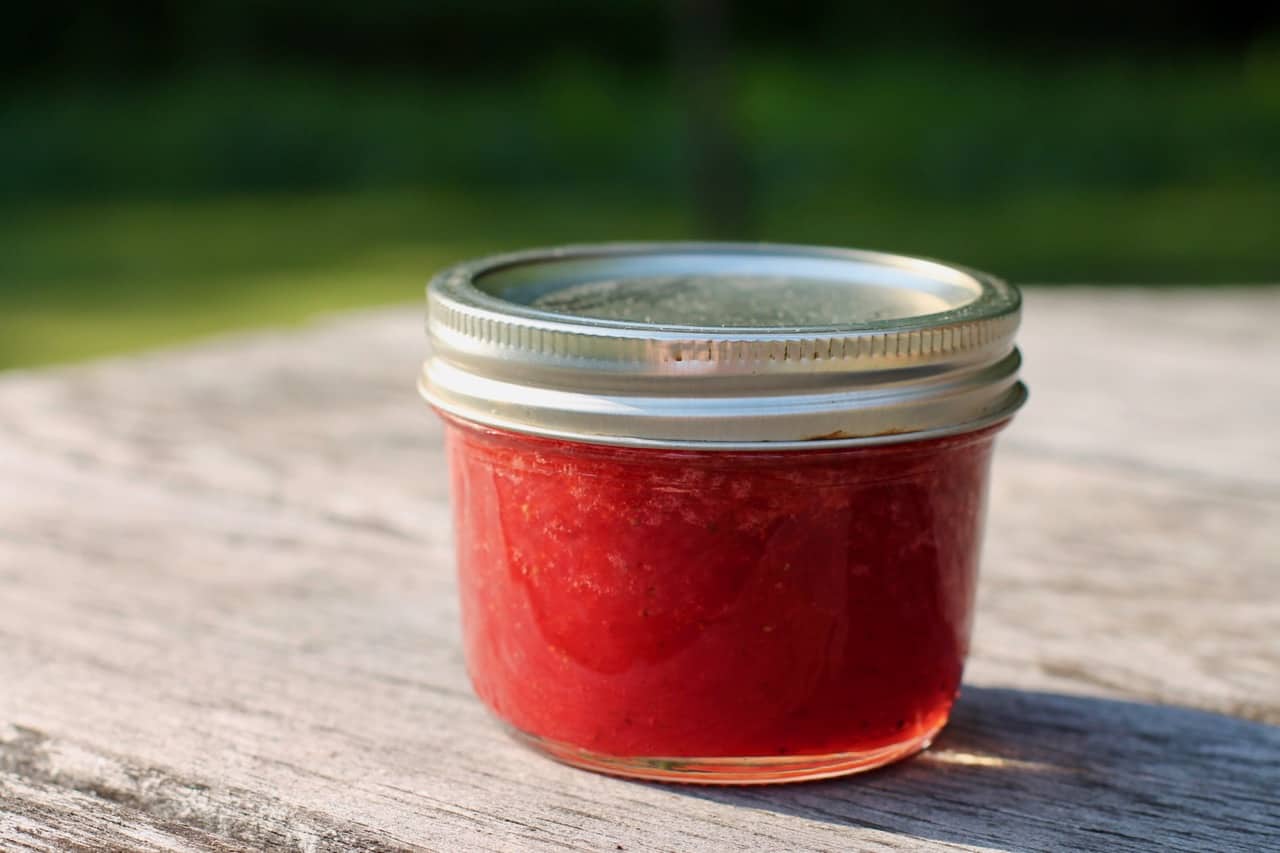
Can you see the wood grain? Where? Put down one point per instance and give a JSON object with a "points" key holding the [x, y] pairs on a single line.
{"points": [[229, 622]]}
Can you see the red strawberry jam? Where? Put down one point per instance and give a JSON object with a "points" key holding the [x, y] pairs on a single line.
{"points": [[642, 604]]}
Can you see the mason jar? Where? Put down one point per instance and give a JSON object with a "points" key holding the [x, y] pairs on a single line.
{"points": [[718, 507]]}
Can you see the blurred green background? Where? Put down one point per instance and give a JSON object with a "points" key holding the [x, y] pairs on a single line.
{"points": [[177, 169]]}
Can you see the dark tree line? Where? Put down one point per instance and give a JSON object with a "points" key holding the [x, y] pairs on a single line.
{"points": [[60, 38]]}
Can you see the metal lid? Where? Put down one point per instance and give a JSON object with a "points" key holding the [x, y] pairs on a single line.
{"points": [[722, 346]]}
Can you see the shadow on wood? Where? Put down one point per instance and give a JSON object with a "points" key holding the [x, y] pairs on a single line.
{"points": [[1020, 770]]}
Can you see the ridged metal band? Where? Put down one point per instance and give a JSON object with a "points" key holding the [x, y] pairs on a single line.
{"points": [[513, 365]]}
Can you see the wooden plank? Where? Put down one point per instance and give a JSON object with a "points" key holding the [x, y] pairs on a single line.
{"points": [[1182, 380], [229, 617]]}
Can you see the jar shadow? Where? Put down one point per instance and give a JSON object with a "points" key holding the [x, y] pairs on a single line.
{"points": [[1020, 770]]}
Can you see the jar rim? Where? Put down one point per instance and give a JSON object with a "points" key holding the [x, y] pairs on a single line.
{"points": [[920, 347]]}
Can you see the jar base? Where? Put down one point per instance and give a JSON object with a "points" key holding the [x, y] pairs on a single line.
{"points": [[751, 770]]}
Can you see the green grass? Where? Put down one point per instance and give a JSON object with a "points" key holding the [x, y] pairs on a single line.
{"points": [[97, 278], [1164, 235], [94, 279]]}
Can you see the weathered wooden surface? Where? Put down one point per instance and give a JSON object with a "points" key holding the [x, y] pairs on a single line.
{"points": [[227, 615]]}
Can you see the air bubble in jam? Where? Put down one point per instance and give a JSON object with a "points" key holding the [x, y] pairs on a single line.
{"points": [[673, 606]]}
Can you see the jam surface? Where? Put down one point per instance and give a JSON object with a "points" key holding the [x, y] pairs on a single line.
{"points": [[644, 602]]}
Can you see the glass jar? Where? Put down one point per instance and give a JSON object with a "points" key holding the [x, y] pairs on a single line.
{"points": [[718, 507]]}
